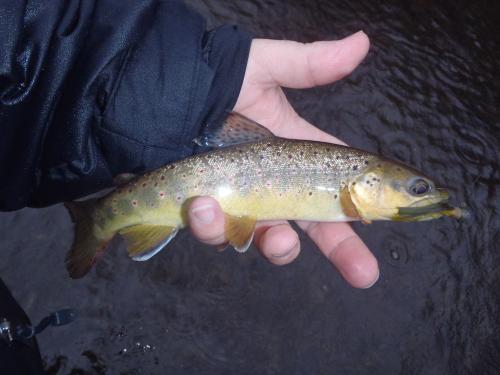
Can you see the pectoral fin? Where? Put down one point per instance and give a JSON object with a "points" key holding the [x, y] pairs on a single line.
{"points": [[348, 206], [239, 232], [145, 240]]}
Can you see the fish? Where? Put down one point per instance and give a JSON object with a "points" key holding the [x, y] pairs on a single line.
{"points": [[254, 176]]}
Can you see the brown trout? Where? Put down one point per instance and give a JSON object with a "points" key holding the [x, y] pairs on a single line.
{"points": [[254, 176]]}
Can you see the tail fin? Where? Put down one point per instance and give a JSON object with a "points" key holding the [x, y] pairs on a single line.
{"points": [[86, 247]]}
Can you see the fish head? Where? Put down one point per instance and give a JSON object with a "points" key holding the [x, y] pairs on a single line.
{"points": [[392, 191]]}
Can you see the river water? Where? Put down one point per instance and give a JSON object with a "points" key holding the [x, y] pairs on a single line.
{"points": [[428, 94]]}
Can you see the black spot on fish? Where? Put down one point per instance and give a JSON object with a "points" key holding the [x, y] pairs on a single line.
{"points": [[162, 177], [335, 196], [310, 193], [367, 162], [354, 167]]}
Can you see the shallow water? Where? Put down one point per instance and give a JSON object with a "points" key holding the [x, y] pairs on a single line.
{"points": [[428, 94]]}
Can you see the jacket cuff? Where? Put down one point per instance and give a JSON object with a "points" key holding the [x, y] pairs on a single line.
{"points": [[226, 53]]}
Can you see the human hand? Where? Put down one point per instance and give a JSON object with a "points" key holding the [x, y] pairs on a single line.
{"points": [[273, 64]]}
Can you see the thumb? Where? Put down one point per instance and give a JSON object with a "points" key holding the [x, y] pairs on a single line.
{"points": [[303, 65], [206, 220]]}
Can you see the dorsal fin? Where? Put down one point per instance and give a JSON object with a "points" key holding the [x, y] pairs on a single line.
{"points": [[236, 129], [123, 178]]}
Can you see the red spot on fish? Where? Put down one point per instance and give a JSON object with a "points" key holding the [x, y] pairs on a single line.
{"points": [[179, 198], [134, 203], [144, 184], [162, 177], [162, 194]]}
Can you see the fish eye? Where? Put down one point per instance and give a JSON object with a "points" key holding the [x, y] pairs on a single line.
{"points": [[419, 186]]}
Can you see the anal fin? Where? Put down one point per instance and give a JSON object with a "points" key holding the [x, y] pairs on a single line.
{"points": [[145, 240], [239, 232]]}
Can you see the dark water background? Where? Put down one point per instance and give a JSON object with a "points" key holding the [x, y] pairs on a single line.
{"points": [[428, 94]]}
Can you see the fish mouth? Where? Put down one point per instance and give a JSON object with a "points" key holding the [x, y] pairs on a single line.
{"points": [[430, 208]]}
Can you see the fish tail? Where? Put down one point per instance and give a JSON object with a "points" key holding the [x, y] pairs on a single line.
{"points": [[87, 247]]}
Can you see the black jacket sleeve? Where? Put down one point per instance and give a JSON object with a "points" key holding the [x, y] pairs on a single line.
{"points": [[90, 89]]}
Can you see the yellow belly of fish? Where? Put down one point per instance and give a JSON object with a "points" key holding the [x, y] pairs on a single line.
{"points": [[268, 205]]}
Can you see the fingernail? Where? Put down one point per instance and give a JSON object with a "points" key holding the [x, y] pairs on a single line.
{"points": [[353, 35], [286, 254], [278, 256], [204, 213], [374, 281]]}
